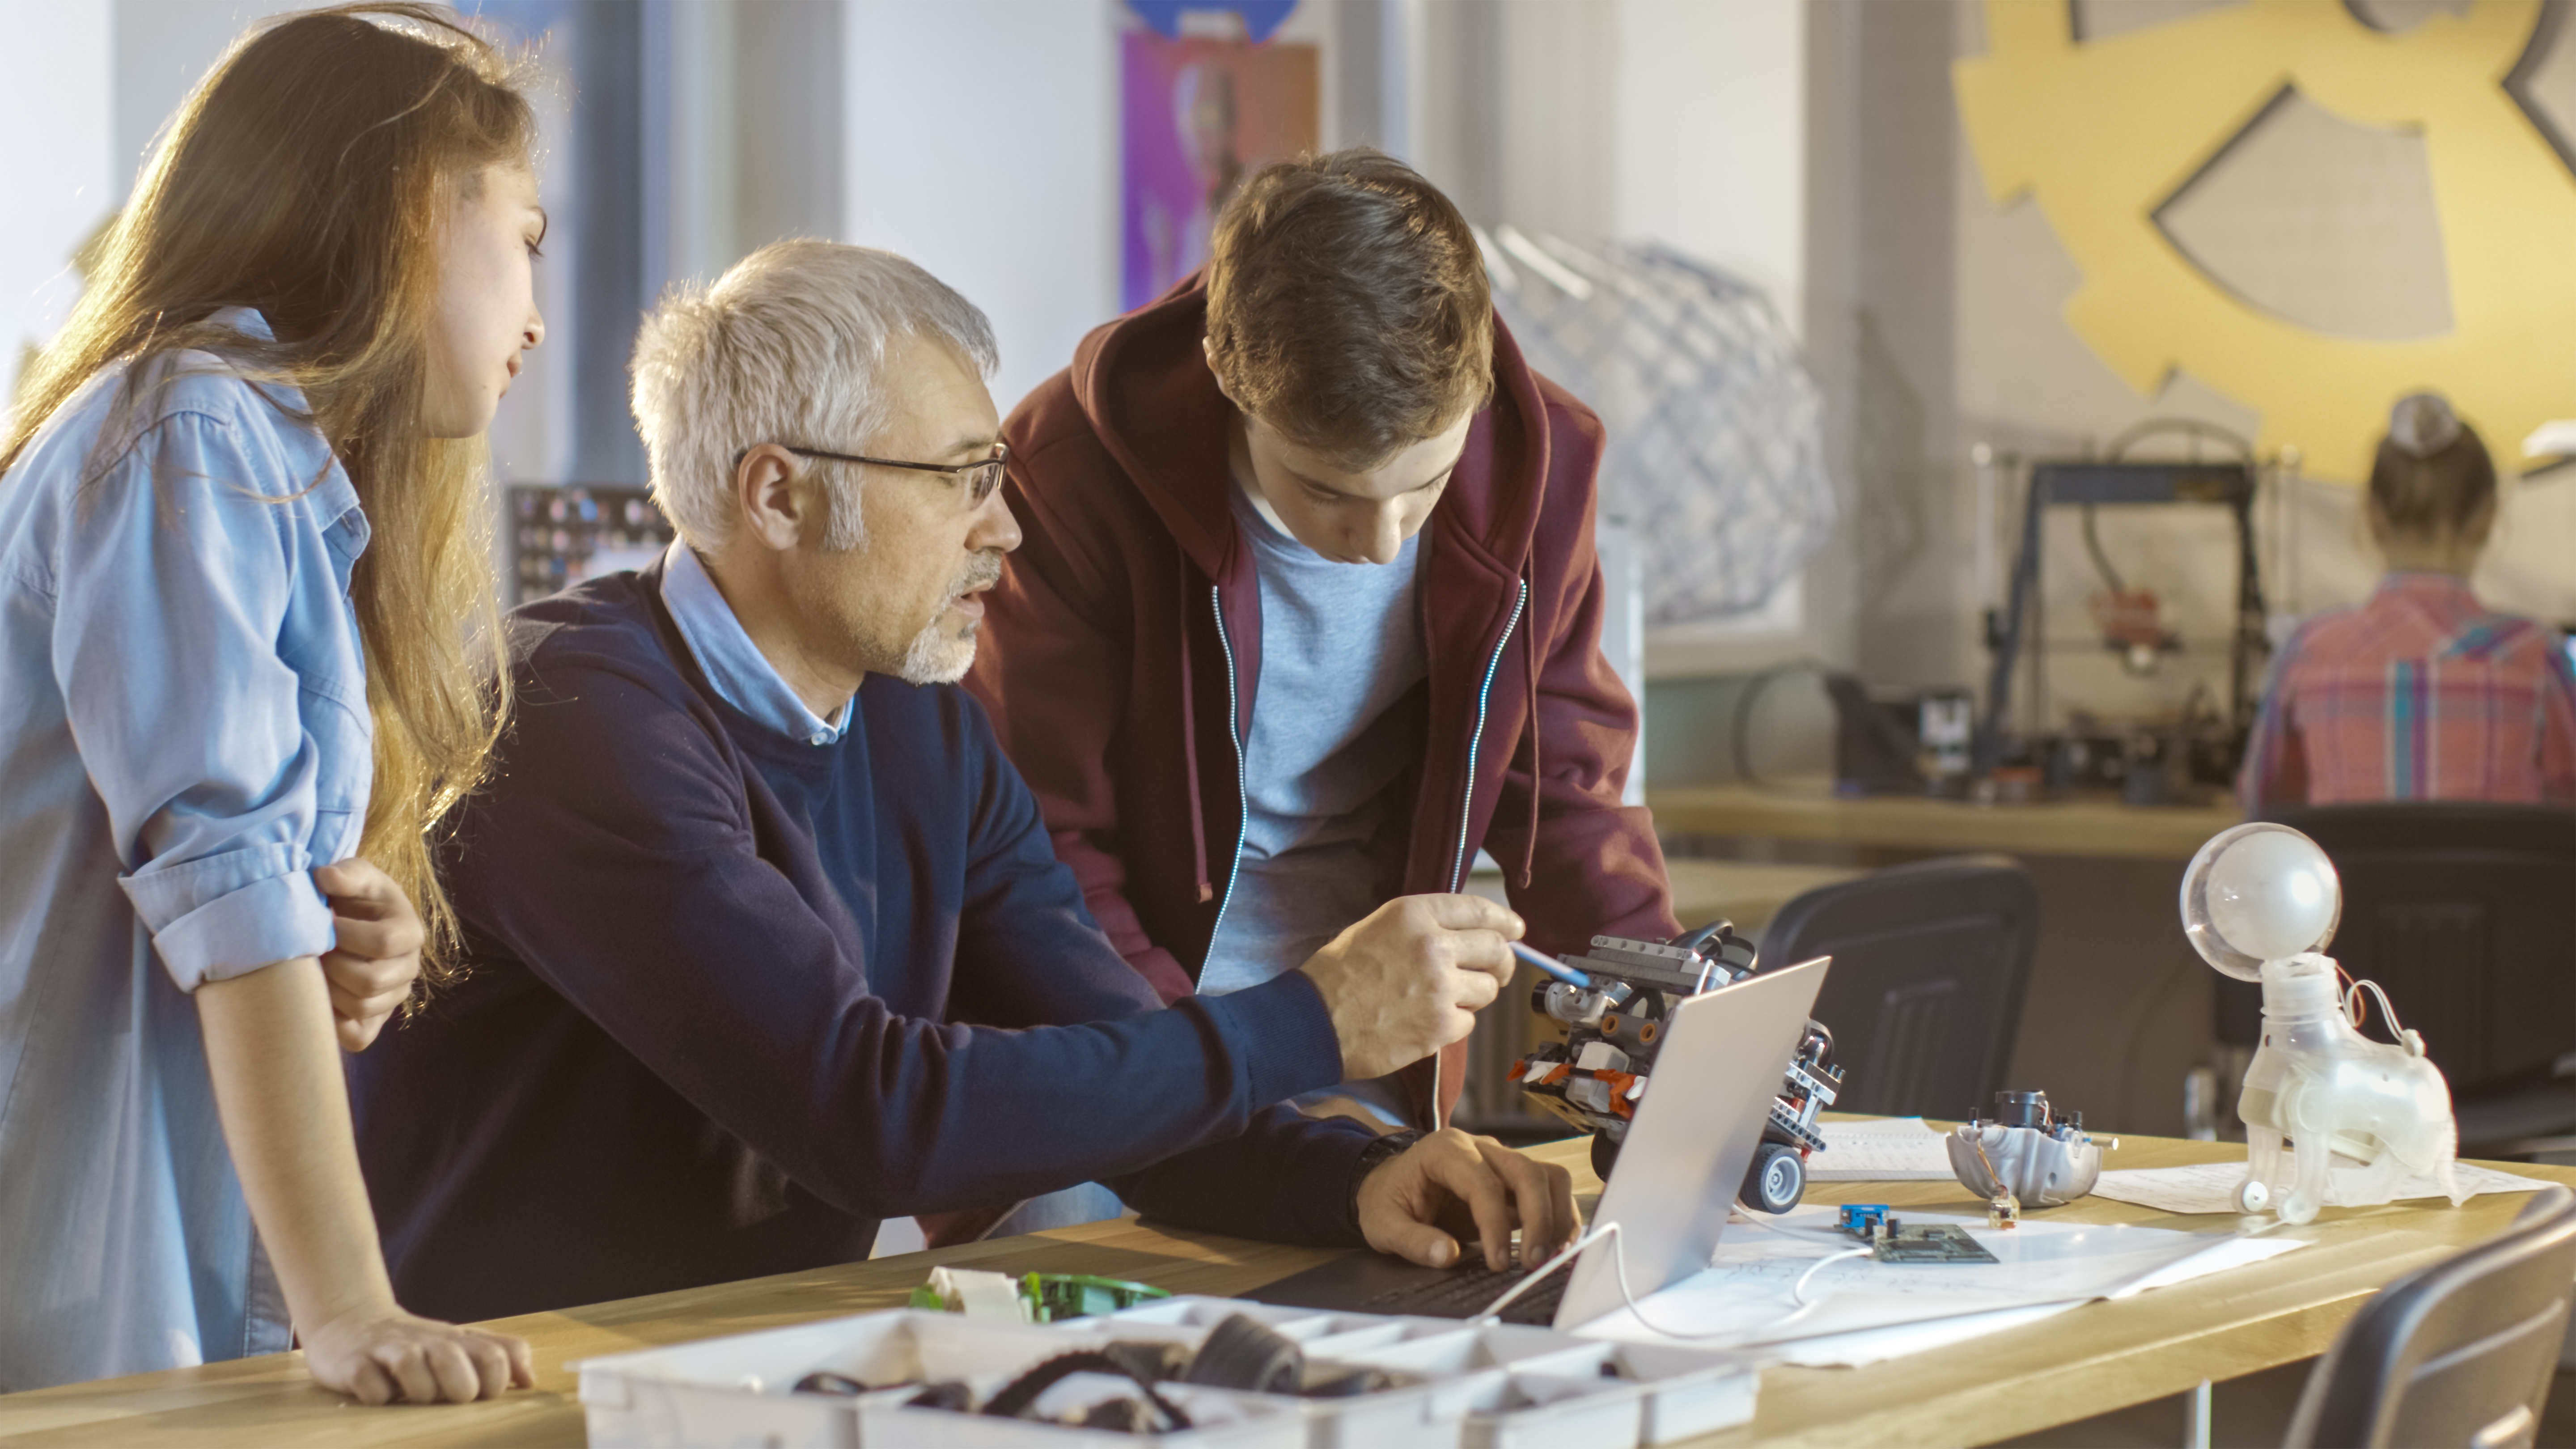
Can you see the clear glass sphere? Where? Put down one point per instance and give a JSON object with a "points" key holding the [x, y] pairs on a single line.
{"points": [[2258, 893]]}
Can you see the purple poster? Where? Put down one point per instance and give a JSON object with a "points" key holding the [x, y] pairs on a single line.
{"points": [[1198, 117]]}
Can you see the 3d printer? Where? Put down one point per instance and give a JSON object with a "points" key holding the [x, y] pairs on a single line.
{"points": [[2128, 622], [1613, 1031]]}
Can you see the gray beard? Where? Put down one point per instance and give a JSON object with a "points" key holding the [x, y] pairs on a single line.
{"points": [[936, 658]]}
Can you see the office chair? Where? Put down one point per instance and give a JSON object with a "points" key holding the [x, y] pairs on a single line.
{"points": [[2465, 912], [2458, 1353], [1931, 961]]}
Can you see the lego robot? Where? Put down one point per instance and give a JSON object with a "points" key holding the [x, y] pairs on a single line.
{"points": [[1613, 1029]]}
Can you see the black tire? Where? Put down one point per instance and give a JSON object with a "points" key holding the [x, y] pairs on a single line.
{"points": [[1777, 1180], [1605, 1154], [1242, 1352]]}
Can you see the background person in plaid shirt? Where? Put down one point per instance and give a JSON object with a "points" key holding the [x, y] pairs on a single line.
{"points": [[2422, 693]]}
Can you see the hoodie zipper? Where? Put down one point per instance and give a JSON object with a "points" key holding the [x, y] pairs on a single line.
{"points": [[1242, 793], [1467, 804]]}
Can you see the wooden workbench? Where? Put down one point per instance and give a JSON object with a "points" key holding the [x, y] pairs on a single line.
{"points": [[2094, 1359], [1807, 810]]}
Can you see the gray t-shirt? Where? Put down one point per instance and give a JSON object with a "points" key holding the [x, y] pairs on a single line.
{"points": [[1341, 649]]}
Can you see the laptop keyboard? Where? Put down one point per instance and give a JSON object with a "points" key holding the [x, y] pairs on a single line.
{"points": [[1465, 1292]]}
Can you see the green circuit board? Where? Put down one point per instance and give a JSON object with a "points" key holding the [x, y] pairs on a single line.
{"points": [[1938, 1244]]}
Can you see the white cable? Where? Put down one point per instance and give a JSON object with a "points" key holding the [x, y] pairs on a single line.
{"points": [[1512, 1294], [1798, 1290], [1619, 1268], [2352, 1009]]}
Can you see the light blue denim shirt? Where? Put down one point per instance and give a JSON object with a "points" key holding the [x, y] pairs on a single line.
{"points": [[184, 735], [741, 674]]}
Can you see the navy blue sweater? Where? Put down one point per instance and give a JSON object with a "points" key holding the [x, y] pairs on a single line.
{"points": [[735, 998]]}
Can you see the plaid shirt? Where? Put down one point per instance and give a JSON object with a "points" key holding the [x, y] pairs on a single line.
{"points": [[2420, 694]]}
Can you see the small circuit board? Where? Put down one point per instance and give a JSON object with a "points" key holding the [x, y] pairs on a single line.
{"points": [[1940, 1244], [1891, 1241]]}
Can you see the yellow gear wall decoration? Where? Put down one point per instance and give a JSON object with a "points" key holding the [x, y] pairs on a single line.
{"points": [[2105, 133]]}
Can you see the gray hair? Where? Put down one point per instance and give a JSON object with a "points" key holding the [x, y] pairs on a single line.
{"points": [[787, 347]]}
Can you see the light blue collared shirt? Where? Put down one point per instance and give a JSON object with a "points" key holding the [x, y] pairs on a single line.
{"points": [[184, 733], [741, 674]]}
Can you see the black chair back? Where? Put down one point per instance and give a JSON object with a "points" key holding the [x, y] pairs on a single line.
{"points": [[1931, 961], [2465, 913], [2456, 1354]]}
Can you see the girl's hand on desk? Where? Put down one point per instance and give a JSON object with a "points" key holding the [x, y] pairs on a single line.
{"points": [[1454, 1182], [375, 957], [379, 1354]]}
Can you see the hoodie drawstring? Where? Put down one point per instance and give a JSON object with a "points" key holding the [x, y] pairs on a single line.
{"points": [[1190, 740], [1529, 702]]}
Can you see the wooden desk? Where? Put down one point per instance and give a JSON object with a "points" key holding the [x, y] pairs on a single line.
{"points": [[1807, 810], [2100, 1357]]}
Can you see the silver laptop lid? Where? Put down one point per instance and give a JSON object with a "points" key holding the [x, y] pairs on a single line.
{"points": [[1725, 1052]]}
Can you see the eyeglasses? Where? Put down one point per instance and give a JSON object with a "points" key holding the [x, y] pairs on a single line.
{"points": [[979, 479]]}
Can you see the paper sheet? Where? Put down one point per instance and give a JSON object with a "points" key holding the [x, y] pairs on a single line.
{"points": [[1872, 1345], [1889, 1149], [2210, 1187], [1747, 1295]]}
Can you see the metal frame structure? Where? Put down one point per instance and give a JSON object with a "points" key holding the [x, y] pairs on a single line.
{"points": [[2086, 483]]}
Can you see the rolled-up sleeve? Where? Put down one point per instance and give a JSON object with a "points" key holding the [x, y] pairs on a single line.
{"points": [[173, 585]]}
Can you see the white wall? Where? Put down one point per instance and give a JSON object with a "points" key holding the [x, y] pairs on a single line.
{"points": [[1710, 144], [1679, 120], [1707, 153], [982, 142], [58, 171], [162, 49]]}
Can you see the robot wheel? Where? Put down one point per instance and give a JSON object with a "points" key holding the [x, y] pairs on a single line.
{"points": [[1777, 1180]]}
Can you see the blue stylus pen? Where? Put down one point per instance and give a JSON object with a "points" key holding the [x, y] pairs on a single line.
{"points": [[1551, 966]]}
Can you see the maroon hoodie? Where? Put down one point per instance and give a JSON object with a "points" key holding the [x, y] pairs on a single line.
{"points": [[1123, 645]]}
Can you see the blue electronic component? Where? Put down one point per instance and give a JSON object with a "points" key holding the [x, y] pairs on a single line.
{"points": [[1862, 1220]]}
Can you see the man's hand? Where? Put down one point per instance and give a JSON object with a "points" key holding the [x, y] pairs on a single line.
{"points": [[1451, 1183], [1410, 977], [376, 955]]}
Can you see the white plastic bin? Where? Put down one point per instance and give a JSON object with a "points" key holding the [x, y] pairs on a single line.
{"points": [[1542, 1411], [1688, 1392], [1492, 1386], [1219, 1419], [725, 1393]]}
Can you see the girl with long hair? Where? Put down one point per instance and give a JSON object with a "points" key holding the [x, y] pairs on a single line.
{"points": [[246, 634]]}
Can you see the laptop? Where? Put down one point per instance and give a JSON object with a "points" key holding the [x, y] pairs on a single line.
{"points": [[1725, 1052]]}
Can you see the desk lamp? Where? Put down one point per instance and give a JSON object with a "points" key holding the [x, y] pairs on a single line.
{"points": [[2259, 902]]}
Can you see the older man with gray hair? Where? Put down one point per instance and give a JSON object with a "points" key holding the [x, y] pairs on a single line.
{"points": [[768, 942]]}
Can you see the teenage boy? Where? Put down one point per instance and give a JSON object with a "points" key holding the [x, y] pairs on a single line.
{"points": [[1308, 611]]}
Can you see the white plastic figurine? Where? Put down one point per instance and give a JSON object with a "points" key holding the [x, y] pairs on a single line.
{"points": [[2259, 902]]}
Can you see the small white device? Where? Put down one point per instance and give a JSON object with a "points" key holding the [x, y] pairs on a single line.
{"points": [[2259, 902], [2028, 1151]]}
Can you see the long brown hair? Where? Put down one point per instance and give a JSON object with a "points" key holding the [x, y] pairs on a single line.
{"points": [[312, 176]]}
